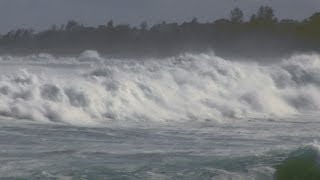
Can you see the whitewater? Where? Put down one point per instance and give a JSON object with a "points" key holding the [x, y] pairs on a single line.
{"points": [[191, 116]]}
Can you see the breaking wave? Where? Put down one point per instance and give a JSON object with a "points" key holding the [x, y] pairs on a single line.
{"points": [[303, 163], [190, 87]]}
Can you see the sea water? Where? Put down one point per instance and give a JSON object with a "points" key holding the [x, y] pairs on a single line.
{"points": [[193, 116]]}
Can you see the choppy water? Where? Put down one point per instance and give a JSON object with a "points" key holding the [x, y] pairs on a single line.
{"points": [[186, 117], [241, 150]]}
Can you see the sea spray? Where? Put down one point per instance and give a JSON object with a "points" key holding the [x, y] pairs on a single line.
{"points": [[189, 87]]}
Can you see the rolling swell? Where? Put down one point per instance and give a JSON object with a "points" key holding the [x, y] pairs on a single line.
{"points": [[190, 87], [301, 164]]}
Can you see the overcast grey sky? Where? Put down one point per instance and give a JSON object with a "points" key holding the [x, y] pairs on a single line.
{"points": [[40, 14]]}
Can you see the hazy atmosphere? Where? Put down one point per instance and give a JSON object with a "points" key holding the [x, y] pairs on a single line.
{"points": [[40, 14]]}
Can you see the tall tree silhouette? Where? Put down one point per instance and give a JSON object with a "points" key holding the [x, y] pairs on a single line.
{"points": [[236, 15], [265, 16]]}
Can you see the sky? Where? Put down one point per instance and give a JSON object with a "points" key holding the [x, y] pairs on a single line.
{"points": [[41, 14]]}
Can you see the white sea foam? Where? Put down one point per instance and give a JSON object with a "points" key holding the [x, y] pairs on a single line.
{"points": [[190, 87]]}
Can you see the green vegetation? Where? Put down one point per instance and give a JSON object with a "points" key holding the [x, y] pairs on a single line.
{"points": [[262, 34]]}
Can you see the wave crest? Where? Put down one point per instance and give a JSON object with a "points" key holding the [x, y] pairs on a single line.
{"points": [[190, 87]]}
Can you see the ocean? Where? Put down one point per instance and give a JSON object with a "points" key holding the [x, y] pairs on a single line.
{"points": [[192, 116]]}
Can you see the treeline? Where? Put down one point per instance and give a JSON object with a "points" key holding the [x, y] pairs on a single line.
{"points": [[262, 34]]}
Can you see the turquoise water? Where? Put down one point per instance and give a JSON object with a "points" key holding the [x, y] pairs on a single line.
{"points": [[301, 164]]}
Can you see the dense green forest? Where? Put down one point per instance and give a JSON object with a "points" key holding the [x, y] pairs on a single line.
{"points": [[262, 34]]}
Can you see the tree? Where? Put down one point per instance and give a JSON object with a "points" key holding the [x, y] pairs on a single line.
{"points": [[315, 18], [144, 26], [123, 28], [236, 15], [72, 25], [264, 15], [311, 27], [110, 25], [194, 21]]}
